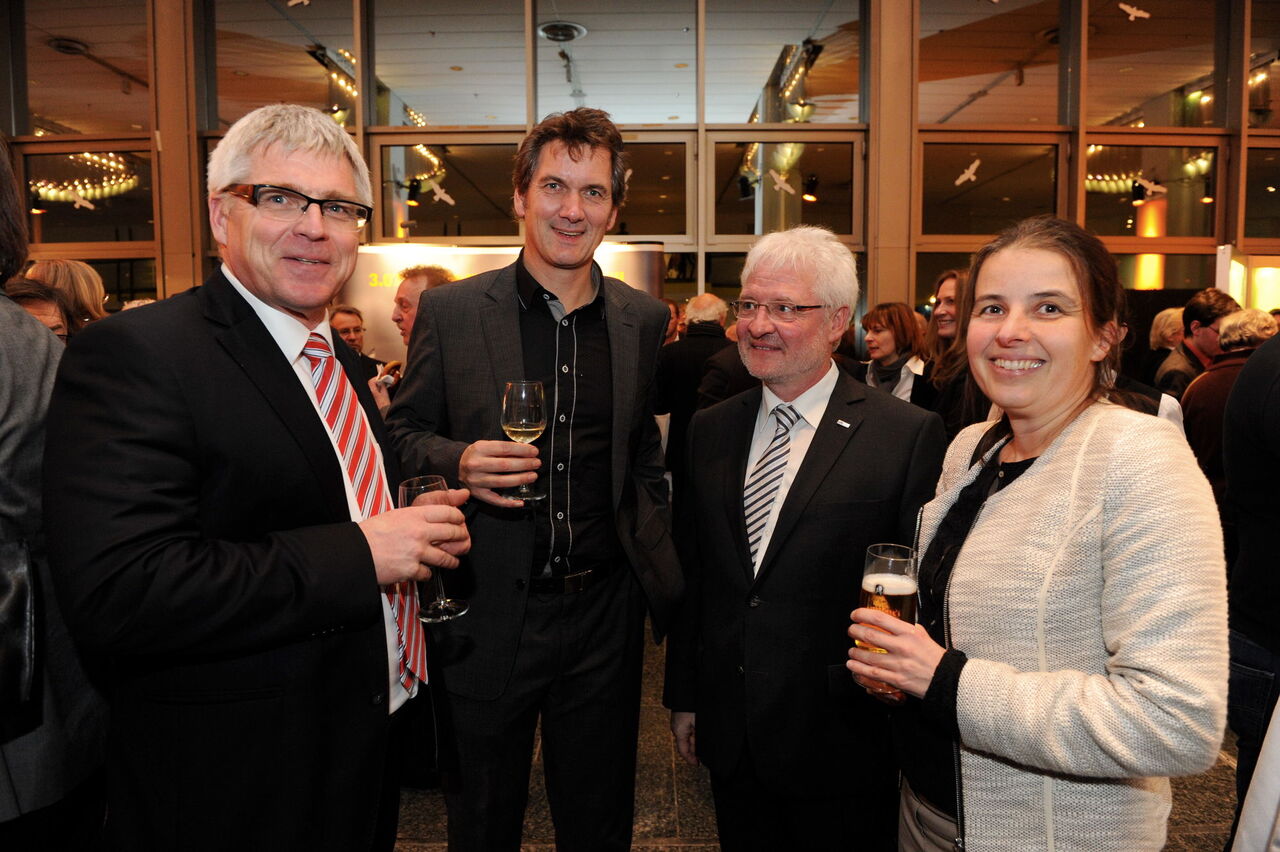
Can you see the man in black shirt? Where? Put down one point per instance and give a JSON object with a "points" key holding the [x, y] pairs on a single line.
{"points": [[557, 589]]}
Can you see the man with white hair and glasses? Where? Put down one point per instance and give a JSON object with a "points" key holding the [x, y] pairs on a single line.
{"points": [[817, 466]]}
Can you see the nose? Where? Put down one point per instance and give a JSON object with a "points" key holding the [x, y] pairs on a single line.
{"points": [[761, 322], [1013, 327], [571, 207], [311, 223]]}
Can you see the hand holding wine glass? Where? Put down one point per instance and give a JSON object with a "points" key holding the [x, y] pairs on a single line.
{"points": [[523, 419], [443, 607]]}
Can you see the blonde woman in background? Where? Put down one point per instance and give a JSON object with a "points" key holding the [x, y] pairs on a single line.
{"points": [[80, 282]]}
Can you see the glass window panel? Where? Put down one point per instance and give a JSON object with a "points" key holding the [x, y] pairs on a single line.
{"points": [[930, 265], [1155, 271], [982, 189], [1262, 194], [275, 52], [985, 64], [1172, 184], [90, 197], [126, 280], [87, 66], [1264, 71], [680, 281], [1155, 71], [657, 192], [762, 186], [773, 61], [449, 64], [633, 58], [460, 191]]}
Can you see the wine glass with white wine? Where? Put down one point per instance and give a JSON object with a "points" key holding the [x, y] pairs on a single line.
{"points": [[524, 416]]}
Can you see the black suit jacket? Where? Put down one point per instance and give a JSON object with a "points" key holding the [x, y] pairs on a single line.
{"points": [[464, 349], [761, 659], [681, 366], [199, 529]]}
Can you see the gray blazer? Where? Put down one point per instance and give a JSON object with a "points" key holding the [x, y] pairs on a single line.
{"points": [[465, 348], [41, 766]]}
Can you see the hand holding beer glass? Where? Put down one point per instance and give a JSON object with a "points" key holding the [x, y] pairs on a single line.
{"points": [[889, 585]]}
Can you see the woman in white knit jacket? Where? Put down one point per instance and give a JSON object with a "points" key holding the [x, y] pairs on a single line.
{"points": [[1072, 651]]}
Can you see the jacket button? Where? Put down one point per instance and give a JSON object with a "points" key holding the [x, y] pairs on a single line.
{"points": [[754, 601], [740, 671], [520, 584]]}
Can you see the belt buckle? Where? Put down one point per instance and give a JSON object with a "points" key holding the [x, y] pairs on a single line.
{"points": [[576, 582]]}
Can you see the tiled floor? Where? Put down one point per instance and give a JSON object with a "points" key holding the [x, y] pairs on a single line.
{"points": [[673, 800]]}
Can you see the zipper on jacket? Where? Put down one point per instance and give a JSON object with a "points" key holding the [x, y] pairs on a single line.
{"points": [[955, 744]]}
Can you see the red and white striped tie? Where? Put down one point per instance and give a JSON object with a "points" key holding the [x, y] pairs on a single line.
{"points": [[354, 438]]}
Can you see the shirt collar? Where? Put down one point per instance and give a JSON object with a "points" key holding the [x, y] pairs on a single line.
{"points": [[811, 404], [288, 332], [531, 292]]}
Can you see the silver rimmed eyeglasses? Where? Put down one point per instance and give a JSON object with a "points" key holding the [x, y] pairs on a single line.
{"points": [[778, 311], [288, 205]]}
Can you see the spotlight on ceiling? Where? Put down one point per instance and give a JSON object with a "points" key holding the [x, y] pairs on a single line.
{"points": [[561, 31], [810, 188], [1139, 194]]}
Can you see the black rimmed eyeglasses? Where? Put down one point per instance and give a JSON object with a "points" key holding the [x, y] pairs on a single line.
{"points": [[288, 205], [778, 311]]}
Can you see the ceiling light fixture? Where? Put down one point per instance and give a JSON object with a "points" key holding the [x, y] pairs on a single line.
{"points": [[561, 31]]}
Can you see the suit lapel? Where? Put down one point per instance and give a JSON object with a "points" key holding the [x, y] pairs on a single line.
{"points": [[624, 346], [251, 346], [828, 443], [500, 317], [737, 446]]}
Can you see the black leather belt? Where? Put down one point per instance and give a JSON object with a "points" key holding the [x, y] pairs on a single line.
{"points": [[566, 583]]}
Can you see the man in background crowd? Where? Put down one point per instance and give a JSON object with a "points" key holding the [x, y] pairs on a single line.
{"points": [[348, 322], [1201, 318]]}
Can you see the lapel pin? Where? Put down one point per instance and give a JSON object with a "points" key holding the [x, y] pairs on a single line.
{"points": [[842, 423]]}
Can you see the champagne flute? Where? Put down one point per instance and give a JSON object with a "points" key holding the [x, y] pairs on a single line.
{"points": [[523, 419], [442, 607], [889, 585]]}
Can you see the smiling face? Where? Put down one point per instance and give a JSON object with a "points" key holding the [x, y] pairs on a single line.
{"points": [[296, 267], [567, 210], [1031, 348], [789, 357], [944, 310], [881, 347]]}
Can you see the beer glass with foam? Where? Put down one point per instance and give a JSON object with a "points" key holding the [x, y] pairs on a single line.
{"points": [[889, 585]]}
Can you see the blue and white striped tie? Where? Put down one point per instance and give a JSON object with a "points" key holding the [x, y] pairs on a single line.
{"points": [[762, 485]]}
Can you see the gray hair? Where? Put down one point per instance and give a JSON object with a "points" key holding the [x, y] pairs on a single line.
{"points": [[1245, 328], [346, 309], [291, 128], [1164, 326], [814, 253], [707, 307]]}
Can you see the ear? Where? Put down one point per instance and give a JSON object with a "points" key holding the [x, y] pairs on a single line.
{"points": [[218, 212], [839, 324], [517, 203], [1108, 336], [613, 217]]}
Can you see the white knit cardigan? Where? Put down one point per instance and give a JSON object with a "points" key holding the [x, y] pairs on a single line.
{"points": [[1090, 599]]}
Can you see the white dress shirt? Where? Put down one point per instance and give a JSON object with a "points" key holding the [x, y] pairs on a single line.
{"points": [[810, 405], [291, 336]]}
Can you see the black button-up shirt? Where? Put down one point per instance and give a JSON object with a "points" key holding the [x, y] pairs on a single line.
{"points": [[569, 353]]}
